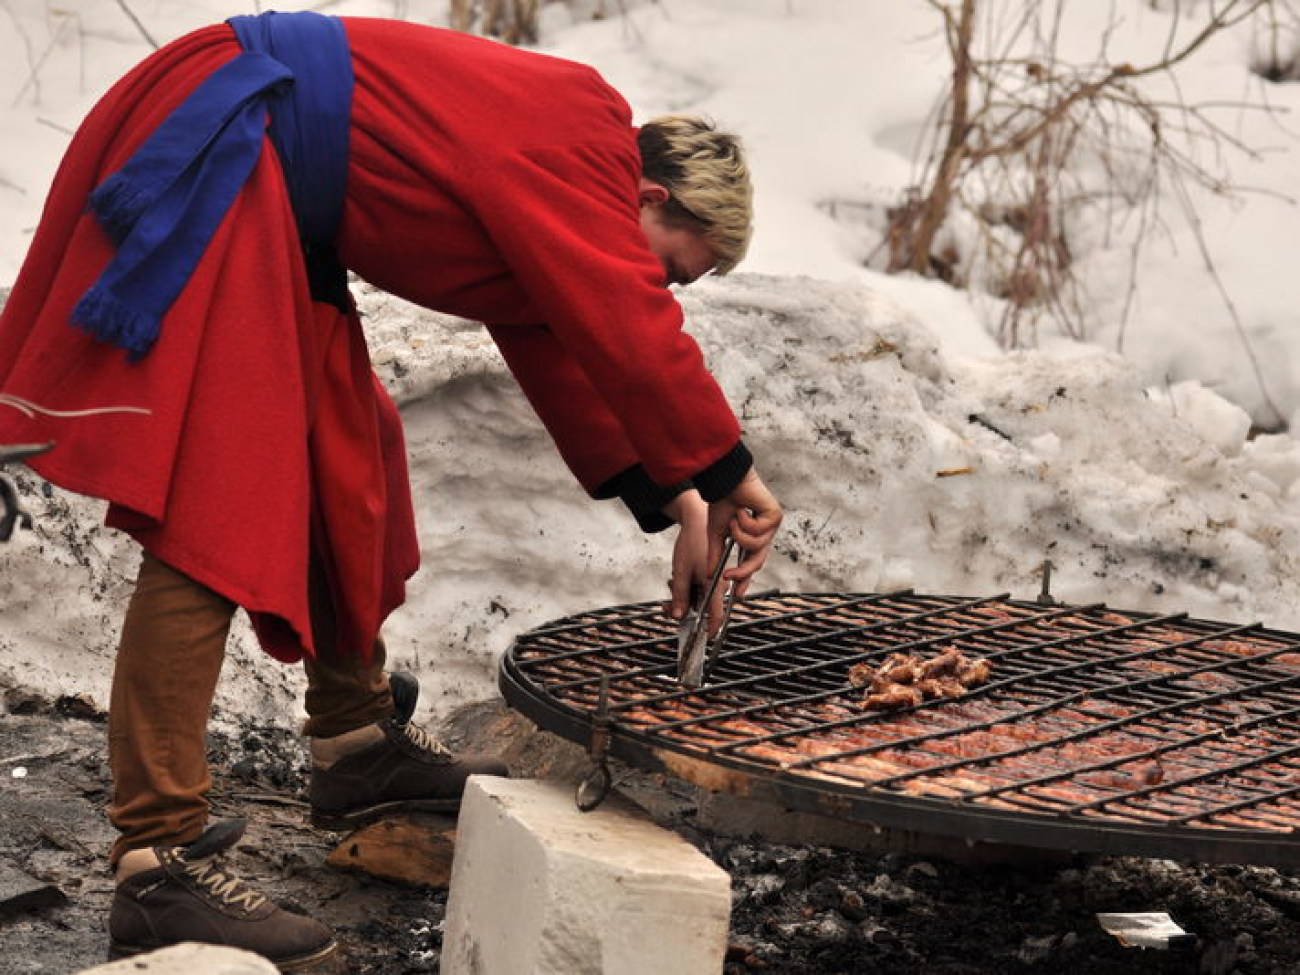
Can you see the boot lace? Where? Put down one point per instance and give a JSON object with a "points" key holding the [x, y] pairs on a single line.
{"points": [[225, 887], [425, 742]]}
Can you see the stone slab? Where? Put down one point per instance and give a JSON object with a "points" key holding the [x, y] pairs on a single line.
{"points": [[541, 888], [188, 959]]}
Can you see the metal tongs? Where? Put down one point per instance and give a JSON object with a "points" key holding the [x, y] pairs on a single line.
{"points": [[696, 653]]}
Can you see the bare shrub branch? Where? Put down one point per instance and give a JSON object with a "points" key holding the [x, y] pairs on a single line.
{"points": [[1027, 146], [139, 24], [930, 214], [513, 21]]}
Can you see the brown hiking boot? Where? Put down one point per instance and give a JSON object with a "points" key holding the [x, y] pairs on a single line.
{"points": [[192, 896], [408, 771]]}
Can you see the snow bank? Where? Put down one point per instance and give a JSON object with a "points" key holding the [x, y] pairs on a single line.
{"points": [[899, 467]]}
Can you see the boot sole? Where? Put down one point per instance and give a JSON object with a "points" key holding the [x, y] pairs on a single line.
{"points": [[342, 822], [301, 963]]}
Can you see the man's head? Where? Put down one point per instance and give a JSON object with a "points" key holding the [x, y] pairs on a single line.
{"points": [[695, 185]]}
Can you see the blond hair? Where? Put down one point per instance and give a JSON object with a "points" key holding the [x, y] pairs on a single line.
{"points": [[707, 179]]}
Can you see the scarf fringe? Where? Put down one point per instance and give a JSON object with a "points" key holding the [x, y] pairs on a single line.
{"points": [[110, 319], [118, 203]]}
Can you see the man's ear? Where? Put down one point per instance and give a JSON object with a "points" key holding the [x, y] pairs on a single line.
{"points": [[650, 193]]}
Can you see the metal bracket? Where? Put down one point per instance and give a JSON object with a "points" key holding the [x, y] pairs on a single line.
{"points": [[1045, 594], [594, 789]]}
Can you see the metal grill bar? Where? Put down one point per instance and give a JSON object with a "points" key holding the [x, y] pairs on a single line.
{"points": [[667, 635], [930, 705], [1027, 713], [1094, 720], [793, 671]]}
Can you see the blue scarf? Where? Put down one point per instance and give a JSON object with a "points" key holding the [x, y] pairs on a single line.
{"points": [[163, 206]]}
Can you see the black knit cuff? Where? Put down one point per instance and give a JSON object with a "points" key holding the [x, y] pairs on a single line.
{"points": [[720, 478], [643, 497]]}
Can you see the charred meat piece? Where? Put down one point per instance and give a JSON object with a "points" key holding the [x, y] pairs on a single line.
{"points": [[972, 673], [905, 680], [946, 664], [900, 669], [860, 674], [897, 696], [936, 687]]}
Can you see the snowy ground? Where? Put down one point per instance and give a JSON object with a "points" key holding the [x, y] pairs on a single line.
{"points": [[907, 450]]}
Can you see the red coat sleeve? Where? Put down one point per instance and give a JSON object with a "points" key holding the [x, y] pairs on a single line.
{"points": [[588, 435], [566, 221]]}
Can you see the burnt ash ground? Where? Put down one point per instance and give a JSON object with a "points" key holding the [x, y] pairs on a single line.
{"points": [[796, 909]]}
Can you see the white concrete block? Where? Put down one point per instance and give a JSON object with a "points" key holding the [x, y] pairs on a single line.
{"points": [[188, 959], [541, 888]]}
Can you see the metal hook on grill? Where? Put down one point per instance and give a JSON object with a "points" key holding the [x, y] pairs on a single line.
{"points": [[593, 789], [1045, 594]]}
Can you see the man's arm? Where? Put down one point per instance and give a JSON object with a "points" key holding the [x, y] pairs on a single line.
{"points": [[566, 221]]}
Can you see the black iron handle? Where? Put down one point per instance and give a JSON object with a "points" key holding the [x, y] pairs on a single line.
{"points": [[596, 786]]}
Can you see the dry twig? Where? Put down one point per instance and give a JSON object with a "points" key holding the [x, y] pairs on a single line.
{"points": [[1028, 146], [139, 24]]}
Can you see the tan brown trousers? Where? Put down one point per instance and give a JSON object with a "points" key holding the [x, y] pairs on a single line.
{"points": [[172, 646]]}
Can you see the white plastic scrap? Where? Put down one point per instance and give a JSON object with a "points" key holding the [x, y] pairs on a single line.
{"points": [[1144, 930]]}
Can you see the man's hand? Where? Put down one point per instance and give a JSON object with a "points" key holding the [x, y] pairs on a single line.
{"points": [[751, 515], [690, 551]]}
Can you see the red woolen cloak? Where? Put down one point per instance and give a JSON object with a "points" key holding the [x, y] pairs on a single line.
{"points": [[483, 181]]}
